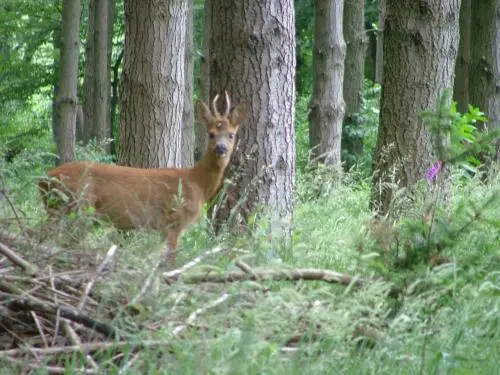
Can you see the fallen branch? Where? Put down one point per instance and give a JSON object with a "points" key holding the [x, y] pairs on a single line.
{"points": [[24, 302], [192, 317], [17, 260], [85, 348], [328, 276], [45, 369], [174, 274], [109, 256]]}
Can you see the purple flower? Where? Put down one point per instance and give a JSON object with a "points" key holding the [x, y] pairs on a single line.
{"points": [[433, 171]]}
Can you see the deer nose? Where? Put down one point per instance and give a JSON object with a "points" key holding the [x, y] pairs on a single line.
{"points": [[220, 150]]}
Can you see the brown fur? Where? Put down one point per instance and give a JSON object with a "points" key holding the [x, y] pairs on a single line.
{"points": [[167, 199]]}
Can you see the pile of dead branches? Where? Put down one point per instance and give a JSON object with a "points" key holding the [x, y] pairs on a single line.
{"points": [[48, 314]]}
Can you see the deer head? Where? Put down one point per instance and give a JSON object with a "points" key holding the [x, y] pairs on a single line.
{"points": [[221, 129]]}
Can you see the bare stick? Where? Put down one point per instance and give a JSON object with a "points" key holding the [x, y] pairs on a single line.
{"points": [[87, 347], [328, 276], [109, 256], [174, 274], [192, 317], [147, 284], [46, 369], [25, 302], [31, 269], [129, 363], [244, 267], [40, 329], [75, 340]]}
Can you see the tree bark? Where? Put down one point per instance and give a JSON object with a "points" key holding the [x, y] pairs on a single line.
{"points": [[327, 102], [252, 56], [67, 99], [152, 95], [354, 33], [97, 89], [56, 115], [115, 84], [188, 112], [379, 58], [204, 83], [484, 72], [420, 49], [461, 83]]}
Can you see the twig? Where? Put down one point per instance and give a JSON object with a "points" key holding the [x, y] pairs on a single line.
{"points": [[18, 301], [31, 269], [174, 274], [16, 238], [129, 363], [40, 329], [109, 256], [87, 347], [147, 283], [13, 208], [46, 369], [244, 267], [75, 340], [192, 317]]}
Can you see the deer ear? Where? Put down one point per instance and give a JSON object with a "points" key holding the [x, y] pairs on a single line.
{"points": [[203, 112], [238, 114]]}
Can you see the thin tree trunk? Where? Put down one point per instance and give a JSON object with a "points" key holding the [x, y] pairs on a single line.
{"points": [[379, 61], [115, 84], [56, 115], [484, 72], [327, 102], [97, 72], [68, 78], [461, 83], [188, 141], [200, 131], [354, 33], [252, 56], [152, 95], [89, 79], [420, 49]]}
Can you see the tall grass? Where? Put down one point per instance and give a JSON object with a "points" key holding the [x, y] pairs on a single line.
{"points": [[446, 322]]}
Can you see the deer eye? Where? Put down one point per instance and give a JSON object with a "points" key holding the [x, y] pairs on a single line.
{"points": [[211, 135], [231, 135]]}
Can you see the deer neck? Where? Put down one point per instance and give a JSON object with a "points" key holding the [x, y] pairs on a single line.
{"points": [[209, 173]]}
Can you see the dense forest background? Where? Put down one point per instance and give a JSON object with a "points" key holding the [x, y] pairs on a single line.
{"points": [[359, 222]]}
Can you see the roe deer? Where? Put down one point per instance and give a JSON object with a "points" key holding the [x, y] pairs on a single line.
{"points": [[165, 199]]}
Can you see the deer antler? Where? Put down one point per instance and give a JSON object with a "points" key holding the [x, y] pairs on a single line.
{"points": [[228, 104], [214, 106]]}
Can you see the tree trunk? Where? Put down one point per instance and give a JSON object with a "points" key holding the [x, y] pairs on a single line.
{"points": [[204, 83], [188, 112], [354, 33], [80, 124], [67, 99], [97, 72], [461, 84], [252, 56], [115, 84], [327, 102], [56, 115], [152, 95], [379, 60], [420, 48], [484, 72]]}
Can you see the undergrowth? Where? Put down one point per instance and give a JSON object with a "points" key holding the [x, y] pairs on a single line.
{"points": [[446, 320]]}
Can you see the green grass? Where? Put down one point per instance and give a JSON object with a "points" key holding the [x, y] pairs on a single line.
{"points": [[448, 321]]}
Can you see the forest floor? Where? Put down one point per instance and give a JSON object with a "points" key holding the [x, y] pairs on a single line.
{"points": [[345, 295]]}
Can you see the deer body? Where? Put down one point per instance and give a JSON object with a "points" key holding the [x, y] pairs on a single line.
{"points": [[164, 199]]}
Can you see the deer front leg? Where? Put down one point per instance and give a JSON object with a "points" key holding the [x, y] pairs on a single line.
{"points": [[171, 241]]}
